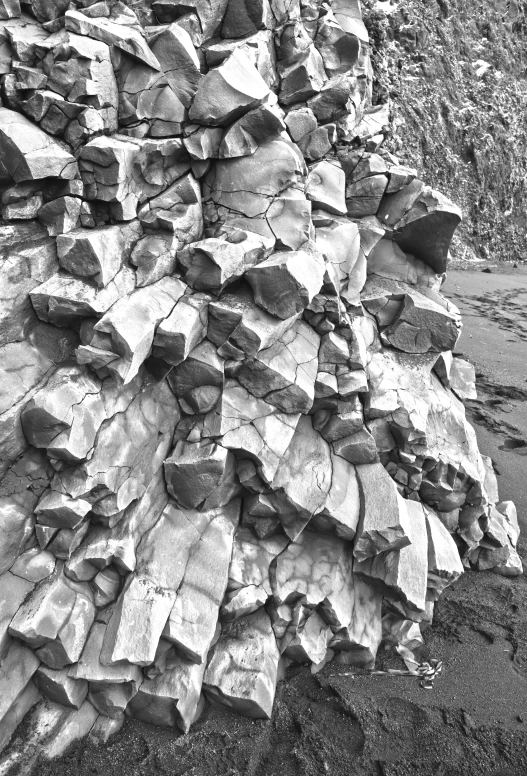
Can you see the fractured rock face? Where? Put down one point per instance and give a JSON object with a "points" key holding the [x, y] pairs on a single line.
{"points": [[29, 154], [228, 91], [243, 667], [231, 425]]}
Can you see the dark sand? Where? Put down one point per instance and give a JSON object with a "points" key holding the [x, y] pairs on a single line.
{"points": [[474, 721]]}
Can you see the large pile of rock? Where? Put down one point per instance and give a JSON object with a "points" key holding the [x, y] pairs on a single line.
{"points": [[232, 433]]}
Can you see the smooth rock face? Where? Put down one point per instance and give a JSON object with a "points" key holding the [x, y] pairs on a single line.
{"points": [[231, 421], [243, 667], [404, 571], [171, 699], [228, 91], [384, 522], [30, 154]]}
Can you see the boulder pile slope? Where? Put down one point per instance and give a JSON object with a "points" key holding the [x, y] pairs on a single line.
{"points": [[231, 427]]}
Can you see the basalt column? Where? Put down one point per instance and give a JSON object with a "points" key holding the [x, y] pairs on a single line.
{"points": [[231, 424]]}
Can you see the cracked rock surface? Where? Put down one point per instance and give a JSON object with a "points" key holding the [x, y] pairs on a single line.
{"points": [[232, 434]]}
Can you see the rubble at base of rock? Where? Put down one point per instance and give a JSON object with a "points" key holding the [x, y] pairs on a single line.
{"points": [[231, 423]]}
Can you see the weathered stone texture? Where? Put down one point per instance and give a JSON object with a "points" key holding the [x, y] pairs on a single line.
{"points": [[231, 425]]}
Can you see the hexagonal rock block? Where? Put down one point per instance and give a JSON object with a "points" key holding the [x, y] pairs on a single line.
{"points": [[290, 221], [286, 283], [193, 620], [96, 254], [426, 231], [16, 524], [303, 481], [423, 326], [348, 14], [237, 325], [318, 143], [66, 414], [248, 184], [326, 187], [59, 511], [134, 440], [90, 669], [182, 330], [177, 209], [300, 122], [384, 522], [338, 239], [363, 198], [201, 474], [210, 14], [396, 205], [132, 321], [213, 263], [302, 77], [56, 620], [171, 699], [308, 641], [175, 52], [358, 642], [251, 559], [28, 153], [457, 374], [244, 18], [251, 428], [295, 576], [198, 380], [10, 9], [403, 573], [444, 563], [137, 622], [17, 693], [284, 373], [124, 37], [228, 91], [117, 169], [243, 667], [339, 50], [256, 128], [14, 589], [58, 687], [341, 511]]}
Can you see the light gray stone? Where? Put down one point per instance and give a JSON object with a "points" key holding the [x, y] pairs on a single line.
{"points": [[403, 572], [242, 671], [228, 91], [444, 563], [173, 698], [325, 187], [316, 569], [58, 687], [384, 521], [16, 670], [28, 153], [287, 282], [124, 37], [191, 625], [182, 330]]}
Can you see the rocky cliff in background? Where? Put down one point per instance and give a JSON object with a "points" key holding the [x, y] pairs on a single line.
{"points": [[454, 75], [232, 430]]}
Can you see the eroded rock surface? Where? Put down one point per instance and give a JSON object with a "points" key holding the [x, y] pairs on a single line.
{"points": [[231, 424]]}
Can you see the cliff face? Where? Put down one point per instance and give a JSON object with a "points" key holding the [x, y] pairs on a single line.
{"points": [[232, 433], [455, 75]]}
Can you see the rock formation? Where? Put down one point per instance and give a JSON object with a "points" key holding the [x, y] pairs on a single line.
{"points": [[232, 433]]}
